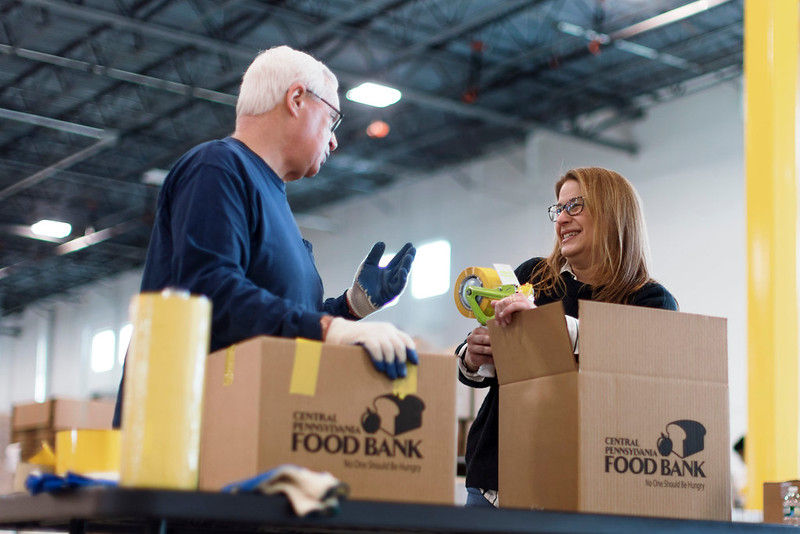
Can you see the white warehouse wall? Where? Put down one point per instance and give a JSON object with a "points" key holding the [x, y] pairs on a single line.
{"points": [[689, 174], [75, 318]]}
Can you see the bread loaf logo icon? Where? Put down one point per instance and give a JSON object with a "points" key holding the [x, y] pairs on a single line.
{"points": [[682, 438], [393, 415]]}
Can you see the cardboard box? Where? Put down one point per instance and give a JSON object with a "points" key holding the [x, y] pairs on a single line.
{"points": [[63, 414], [30, 441], [773, 500], [270, 401], [639, 427]]}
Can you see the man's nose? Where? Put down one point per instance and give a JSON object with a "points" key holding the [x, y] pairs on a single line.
{"points": [[333, 143]]}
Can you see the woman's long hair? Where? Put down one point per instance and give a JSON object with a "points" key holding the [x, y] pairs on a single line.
{"points": [[619, 251]]}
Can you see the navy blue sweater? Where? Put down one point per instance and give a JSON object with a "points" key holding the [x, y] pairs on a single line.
{"points": [[224, 229], [481, 454]]}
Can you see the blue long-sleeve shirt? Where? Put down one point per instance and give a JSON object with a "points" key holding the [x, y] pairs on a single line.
{"points": [[224, 229]]}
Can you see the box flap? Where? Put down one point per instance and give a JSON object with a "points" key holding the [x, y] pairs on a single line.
{"points": [[652, 342], [535, 344]]}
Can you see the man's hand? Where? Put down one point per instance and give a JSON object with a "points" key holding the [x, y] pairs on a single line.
{"points": [[479, 349], [388, 347], [374, 286]]}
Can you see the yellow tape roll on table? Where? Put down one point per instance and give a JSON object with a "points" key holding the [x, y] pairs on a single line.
{"points": [[164, 376], [89, 452], [475, 276]]}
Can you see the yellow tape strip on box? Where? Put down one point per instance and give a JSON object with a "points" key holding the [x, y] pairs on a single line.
{"points": [[230, 363], [307, 354], [407, 385]]}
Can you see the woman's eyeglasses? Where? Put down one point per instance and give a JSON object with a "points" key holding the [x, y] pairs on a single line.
{"points": [[573, 207]]}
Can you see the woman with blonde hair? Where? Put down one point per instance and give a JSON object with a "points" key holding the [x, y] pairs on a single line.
{"points": [[600, 254]]}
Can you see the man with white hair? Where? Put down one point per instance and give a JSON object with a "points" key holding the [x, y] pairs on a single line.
{"points": [[224, 227]]}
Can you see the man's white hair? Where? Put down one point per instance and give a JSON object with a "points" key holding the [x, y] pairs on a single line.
{"points": [[272, 72]]}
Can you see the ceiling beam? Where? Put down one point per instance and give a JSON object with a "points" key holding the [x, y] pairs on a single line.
{"points": [[60, 165], [673, 15], [580, 84], [76, 244], [628, 46], [498, 11], [420, 98], [120, 75], [55, 124], [245, 53], [364, 9]]}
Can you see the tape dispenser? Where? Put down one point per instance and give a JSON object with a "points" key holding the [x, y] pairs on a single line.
{"points": [[476, 287]]}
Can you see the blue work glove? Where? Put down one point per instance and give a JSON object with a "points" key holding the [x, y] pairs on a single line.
{"points": [[374, 286], [388, 347]]}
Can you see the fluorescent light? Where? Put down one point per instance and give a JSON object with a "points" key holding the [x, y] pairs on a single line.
{"points": [[679, 13], [637, 49], [577, 31], [374, 94], [48, 228]]}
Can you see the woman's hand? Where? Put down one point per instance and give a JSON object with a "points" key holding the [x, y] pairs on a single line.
{"points": [[479, 349], [504, 308]]}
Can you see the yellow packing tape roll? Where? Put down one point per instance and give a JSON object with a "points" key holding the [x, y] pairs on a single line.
{"points": [[88, 452], [475, 276], [164, 375], [307, 354]]}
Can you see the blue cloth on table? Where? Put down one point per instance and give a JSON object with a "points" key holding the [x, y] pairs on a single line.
{"points": [[50, 483]]}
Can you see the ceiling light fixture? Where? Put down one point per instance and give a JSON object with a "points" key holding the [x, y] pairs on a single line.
{"points": [[48, 228], [374, 94], [674, 15]]}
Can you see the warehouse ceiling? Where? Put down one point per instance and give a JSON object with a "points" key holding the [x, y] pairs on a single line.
{"points": [[97, 95]]}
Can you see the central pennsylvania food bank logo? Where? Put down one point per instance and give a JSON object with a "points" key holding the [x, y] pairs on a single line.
{"points": [[683, 439], [395, 416]]}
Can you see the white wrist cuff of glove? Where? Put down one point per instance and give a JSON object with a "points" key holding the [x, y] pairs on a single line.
{"points": [[383, 341], [359, 301]]}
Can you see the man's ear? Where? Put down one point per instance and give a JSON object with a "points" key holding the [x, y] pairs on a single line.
{"points": [[293, 98]]}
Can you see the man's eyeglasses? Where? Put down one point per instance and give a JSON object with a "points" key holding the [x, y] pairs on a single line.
{"points": [[573, 207], [337, 118]]}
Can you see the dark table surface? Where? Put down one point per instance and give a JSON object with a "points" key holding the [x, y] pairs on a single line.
{"points": [[138, 510]]}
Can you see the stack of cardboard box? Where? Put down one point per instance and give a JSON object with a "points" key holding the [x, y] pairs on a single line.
{"points": [[34, 423]]}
